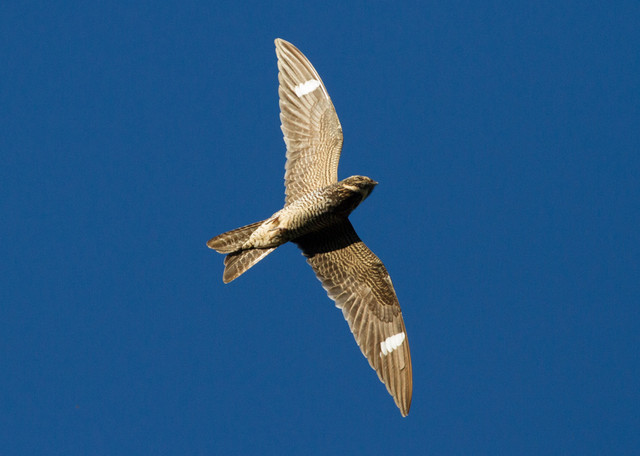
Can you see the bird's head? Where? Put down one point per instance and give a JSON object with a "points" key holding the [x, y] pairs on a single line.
{"points": [[359, 184]]}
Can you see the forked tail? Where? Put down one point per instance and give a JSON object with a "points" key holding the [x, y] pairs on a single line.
{"points": [[237, 261]]}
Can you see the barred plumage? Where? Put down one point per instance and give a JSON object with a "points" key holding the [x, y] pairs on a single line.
{"points": [[315, 217]]}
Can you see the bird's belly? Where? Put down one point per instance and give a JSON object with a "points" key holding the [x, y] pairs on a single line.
{"points": [[299, 221], [312, 212]]}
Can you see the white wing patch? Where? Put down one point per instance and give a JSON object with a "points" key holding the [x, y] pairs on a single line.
{"points": [[391, 343], [306, 87]]}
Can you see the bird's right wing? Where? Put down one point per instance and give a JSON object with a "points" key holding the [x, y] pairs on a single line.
{"points": [[312, 131], [359, 284]]}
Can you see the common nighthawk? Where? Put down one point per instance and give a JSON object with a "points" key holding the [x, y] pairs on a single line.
{"points": [[315, 217]]}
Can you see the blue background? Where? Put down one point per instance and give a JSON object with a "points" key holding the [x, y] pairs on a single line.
{"points": [[505, 137]]}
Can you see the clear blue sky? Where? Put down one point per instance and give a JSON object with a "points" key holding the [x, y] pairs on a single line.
{"points": [[506, 140]]}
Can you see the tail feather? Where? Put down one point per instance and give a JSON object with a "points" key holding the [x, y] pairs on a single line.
{"points": [[237, 260], [232, 241], [237, 263]]}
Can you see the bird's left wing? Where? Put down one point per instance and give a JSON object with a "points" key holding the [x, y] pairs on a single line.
{"points": [[358, 282]]}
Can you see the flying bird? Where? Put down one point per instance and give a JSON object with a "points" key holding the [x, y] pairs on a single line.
{"points": [[315, 218]]}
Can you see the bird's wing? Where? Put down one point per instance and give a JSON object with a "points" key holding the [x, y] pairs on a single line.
{"points": [[358, 282], [312, 131]]}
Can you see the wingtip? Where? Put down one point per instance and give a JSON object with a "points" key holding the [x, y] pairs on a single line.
{"points": [[403, 403], [283, 44]]}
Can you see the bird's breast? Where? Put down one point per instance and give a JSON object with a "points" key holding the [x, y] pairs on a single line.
{"points": [[318, 209]]}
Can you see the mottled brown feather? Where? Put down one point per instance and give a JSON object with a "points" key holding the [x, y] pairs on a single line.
{"points": [[312, 131], [358, 282], [232, 241], [353, 276], [237, 263]]}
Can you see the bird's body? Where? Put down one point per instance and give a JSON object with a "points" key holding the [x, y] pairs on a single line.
{"points": [[311, 212], [315, 217]]}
